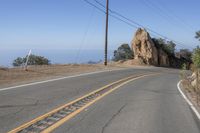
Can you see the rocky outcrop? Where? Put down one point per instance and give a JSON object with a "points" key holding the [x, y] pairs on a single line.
{"points": [[163, 58], [145, 50]]}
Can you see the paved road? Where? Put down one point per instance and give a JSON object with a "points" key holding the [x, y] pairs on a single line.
{"points": [[148, 105]]}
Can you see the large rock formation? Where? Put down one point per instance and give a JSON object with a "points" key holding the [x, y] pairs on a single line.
{"points": [[145, 50], [163, 58]]}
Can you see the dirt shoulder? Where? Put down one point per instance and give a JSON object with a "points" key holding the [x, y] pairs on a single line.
{"points": [[18, 76], [191, 94]]}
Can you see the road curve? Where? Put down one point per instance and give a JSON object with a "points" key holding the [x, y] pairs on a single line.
{"points": [[148, 105], [151, 104]]}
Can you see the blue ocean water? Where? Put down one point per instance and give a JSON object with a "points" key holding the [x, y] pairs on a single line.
{"points": [[55, 56]]}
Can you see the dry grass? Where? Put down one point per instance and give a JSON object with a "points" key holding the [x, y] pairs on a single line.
{"points": [[191, 92], [16, 76]]}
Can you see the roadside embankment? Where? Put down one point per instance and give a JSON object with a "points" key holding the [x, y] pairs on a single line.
{"points": [[17, 76], [190, 91]]}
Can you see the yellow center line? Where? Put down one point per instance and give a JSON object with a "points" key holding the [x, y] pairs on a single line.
{"points": [[63, 120]]}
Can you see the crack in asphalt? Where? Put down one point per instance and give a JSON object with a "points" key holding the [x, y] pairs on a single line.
{"points": [[112, 118]]}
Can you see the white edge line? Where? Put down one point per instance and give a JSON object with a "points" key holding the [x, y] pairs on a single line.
{"points": [[188, 101], [50, 80]]}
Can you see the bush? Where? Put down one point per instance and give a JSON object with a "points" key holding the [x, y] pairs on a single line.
{"points": [[124, 52], [196, 57], [33, 60], [184, 66], [185, 53], [19, 61], [166, 46], [197, 35]]}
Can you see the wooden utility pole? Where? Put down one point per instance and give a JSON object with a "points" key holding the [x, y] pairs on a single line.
{"points": [[106, 35]]}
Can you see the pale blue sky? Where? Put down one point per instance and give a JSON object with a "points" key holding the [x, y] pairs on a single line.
{"points": [[73, 24]]}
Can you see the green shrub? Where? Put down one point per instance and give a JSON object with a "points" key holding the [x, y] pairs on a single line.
{"points": [[33, 60], [196, 57], [197, 35], [123, 53], [184, 66], [166, 46]]}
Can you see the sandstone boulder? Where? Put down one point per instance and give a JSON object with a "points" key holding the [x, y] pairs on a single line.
{"points": [[144, 48], [146, 52]]}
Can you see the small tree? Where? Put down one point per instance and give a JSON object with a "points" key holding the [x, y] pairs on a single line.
{"points": [[33, 60], [124, 52], [167, 46], [196, 54], [38, 60], [159, 42], [185, 53], [170, 47], [196, 57], [18, 62], [197, 35]]}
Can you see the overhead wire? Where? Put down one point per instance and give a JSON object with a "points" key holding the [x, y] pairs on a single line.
{"points": [[165, 15], [136, 23], [158, 11], [163, 6], [130, 22], [84, 36], [109, 14]]}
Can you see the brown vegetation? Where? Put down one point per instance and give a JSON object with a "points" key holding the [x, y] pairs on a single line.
{"points": [[16, 76], [191, 87]]}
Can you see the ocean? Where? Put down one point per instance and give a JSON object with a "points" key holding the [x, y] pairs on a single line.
{"points": [[56, 56]]}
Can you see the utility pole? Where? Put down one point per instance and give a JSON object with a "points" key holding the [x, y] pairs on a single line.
{"points": [[106, 35]]}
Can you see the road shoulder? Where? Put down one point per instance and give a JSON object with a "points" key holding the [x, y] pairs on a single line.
{"points": [[190, 102]]}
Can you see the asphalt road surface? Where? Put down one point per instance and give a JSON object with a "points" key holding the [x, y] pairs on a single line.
{"points": [[148, 105]]}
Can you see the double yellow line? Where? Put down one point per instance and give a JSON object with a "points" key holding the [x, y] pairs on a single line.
{"points": [[63, 120]]}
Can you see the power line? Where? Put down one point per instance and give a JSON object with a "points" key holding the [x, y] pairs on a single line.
{"points": [[90, 3], [157, 10], [165, 14], [168, 17], [110, 14], [84, 36], [136, 23], [175, 16], [131, 22]]}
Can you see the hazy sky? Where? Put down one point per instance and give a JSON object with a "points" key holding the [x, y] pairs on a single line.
{"points": [[73, 24]]}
